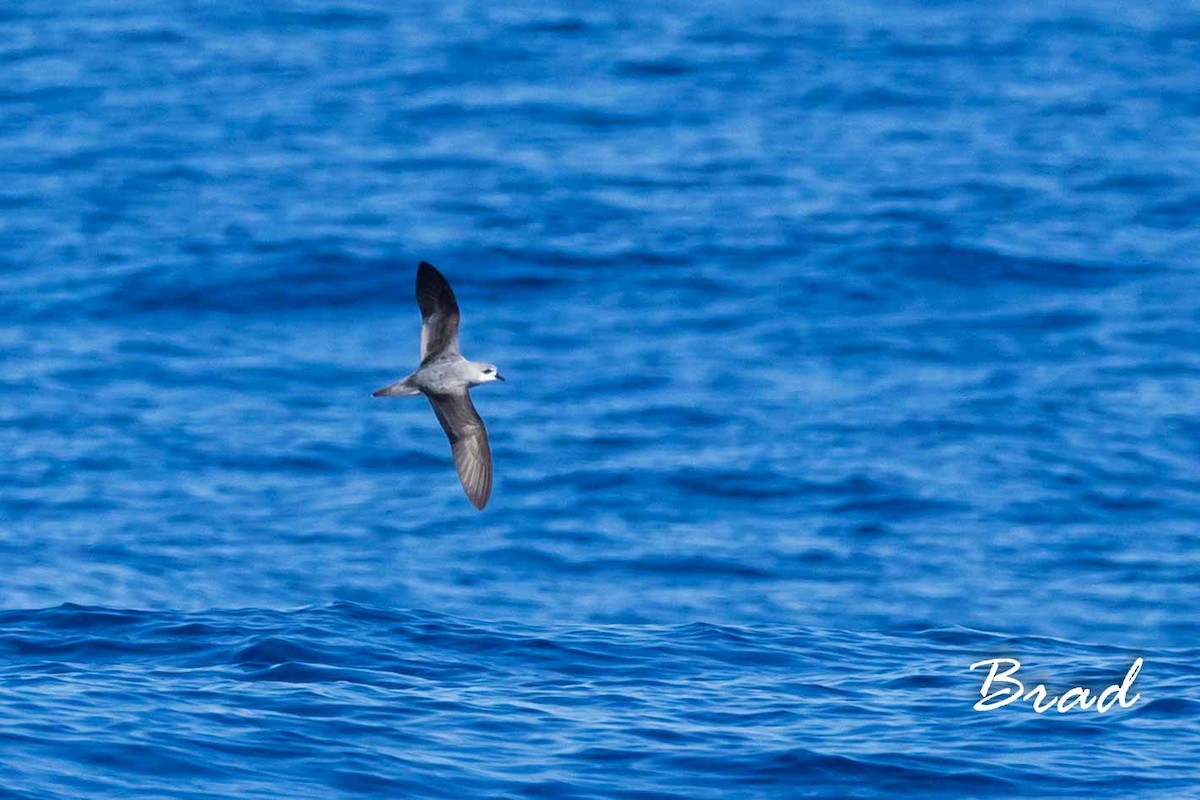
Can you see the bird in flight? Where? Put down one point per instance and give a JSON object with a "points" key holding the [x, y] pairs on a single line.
{"points": [[445, 377]]}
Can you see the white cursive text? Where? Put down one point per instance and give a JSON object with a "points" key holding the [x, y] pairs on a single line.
{"points": [[1010, 690]]}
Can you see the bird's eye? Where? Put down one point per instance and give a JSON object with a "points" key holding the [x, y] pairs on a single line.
{"points": [[488, 371]]}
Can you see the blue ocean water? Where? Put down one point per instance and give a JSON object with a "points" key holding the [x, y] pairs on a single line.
{"points": [[847, 345]]}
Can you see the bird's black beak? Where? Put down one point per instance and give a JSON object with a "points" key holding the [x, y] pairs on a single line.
{"points": [[500, 378]]}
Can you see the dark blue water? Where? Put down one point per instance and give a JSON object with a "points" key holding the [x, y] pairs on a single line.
{"points": [[848, 345]]}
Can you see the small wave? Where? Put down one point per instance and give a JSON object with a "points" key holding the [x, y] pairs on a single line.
{"points": [[301, 277], [981, 268]]}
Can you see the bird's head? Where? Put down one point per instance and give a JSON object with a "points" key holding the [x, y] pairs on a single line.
{"points": [[486, 373]]}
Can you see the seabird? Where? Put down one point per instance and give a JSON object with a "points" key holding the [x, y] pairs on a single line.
{"points": [[445, 377]]}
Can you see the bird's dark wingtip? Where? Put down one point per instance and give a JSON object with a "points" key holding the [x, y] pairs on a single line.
{"points": [[428, 274], [434, 294]]}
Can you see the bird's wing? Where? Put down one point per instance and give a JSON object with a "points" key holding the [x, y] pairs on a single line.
{"points": [[469, 443], [439, 313]]}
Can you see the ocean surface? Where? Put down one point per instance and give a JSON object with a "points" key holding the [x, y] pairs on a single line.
{"points": [[847, 345]]}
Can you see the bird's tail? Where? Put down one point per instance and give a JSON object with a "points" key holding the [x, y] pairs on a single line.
{"points": [[401, 388]]}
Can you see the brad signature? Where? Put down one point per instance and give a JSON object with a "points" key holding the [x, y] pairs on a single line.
{"points": [[1001, 688]]}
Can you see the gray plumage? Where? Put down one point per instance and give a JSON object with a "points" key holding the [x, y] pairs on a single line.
{"points": [[445, 378]]}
